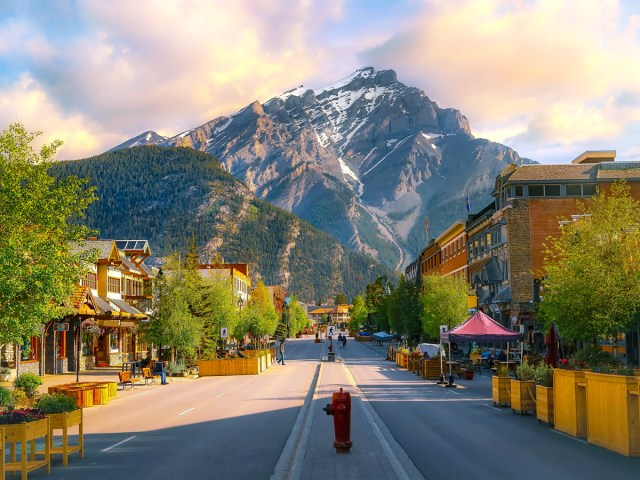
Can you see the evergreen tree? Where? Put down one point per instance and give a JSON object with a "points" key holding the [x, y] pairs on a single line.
{"points": [[341, 299]]}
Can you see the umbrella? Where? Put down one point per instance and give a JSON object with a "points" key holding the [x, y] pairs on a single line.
{"points": [[551, 341]]}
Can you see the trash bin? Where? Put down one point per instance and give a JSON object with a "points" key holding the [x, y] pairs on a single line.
{"points": [[331, 357]]}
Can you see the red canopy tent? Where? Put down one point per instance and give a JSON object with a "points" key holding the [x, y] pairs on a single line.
{"points": [[480, 328]]}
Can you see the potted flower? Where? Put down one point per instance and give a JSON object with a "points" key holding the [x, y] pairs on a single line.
{"points": [[63, 414], [523, 389], [544, 393], [500, 383], [25, 426]]}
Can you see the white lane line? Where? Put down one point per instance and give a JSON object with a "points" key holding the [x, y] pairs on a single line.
{"points": [[186, 411], [118, 444], [492, 406], [220, 394]]}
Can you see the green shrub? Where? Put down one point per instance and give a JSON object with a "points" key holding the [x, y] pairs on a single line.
{"points": [[176, 367], [543, 374], [6, 397], [55, 403], [28, 383], [525, 372], [593, 357]]}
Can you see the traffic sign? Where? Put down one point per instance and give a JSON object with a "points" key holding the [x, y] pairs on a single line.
{"points": [[330, 331], [224, 332], [443, 328]]}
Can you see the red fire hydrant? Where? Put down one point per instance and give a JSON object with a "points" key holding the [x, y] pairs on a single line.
{"points": [[340, 408]]}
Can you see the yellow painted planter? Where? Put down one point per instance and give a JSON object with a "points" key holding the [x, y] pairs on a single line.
{"points": [[612, 412], [402, 359], [100, 394], [64, 421], [500, 390], [569, 402], [229, 366], [523, 396], [26, 434], [544, 404], [82, 395]]}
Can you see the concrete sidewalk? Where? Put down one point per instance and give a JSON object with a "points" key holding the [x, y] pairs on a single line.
{"points": [[309, 455]]}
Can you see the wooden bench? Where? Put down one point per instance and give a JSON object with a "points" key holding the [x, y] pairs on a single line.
{"points": [[147, 375], [125, 379]]}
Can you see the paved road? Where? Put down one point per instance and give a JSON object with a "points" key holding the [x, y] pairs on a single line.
{"points": [[272, 426]]}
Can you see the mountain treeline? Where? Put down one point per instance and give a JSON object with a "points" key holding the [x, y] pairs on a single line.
{"points": [[175, 196]]}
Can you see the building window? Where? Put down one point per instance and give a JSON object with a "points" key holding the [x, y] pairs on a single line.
{"points": [[573, 190], [113, 285], [29, 350], [544, 190], [518, 191], [87, 344], [589, 189], [114, 344], [90, 281]]}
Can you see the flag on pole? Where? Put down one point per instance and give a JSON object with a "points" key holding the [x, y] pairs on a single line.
{"points": [[468, 203]]}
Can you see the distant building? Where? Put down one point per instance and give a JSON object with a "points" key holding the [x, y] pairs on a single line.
{"points": [[237, 272]]}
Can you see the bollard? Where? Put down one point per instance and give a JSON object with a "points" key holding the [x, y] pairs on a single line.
{"points": [[340, 408]]}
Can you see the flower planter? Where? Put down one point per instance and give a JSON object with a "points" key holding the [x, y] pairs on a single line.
{"points": [[64, 421], [544, 404], [402, 359], [83, 395], [612, 412], [569, 402], [500, 390], [26, 434], [523, 396]]}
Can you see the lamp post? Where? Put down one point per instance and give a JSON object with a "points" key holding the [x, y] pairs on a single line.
{"points": [[285, 318], [240, 305]]}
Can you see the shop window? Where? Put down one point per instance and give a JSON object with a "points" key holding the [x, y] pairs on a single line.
{"points": [[87, 344], [29, 350], [114, 342]]}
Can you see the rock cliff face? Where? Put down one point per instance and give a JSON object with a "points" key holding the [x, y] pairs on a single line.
{"points": [[366, 160]]}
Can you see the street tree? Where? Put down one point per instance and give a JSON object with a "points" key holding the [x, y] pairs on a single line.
{"points": [[40, 226], [405, 310], [357, 313], [260, 317], [591, 282], [376, 299], [217, 308], [173, 323], [297, 316], [444, 303]]}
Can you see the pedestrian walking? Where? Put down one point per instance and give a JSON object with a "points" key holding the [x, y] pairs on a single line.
{"points": [[344, 341], [281, 359]]}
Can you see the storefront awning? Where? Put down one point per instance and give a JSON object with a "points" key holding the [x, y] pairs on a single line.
{"points": [[104, 308], [124, 307]]}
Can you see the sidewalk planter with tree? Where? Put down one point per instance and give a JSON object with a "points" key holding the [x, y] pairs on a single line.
{"points": [[500, 387], [612, 412], [544, 393], [569, 402], [523, 390], [63, 414], [25, 427], [28, 383]]}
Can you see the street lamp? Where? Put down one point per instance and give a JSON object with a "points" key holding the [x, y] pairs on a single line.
{"points": [[285, 318]]}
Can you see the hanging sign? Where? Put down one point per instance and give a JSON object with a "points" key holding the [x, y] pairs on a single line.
{"points": [[61, 327]]}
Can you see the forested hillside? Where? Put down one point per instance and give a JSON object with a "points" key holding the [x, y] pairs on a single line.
{"points": [[173, 196]]}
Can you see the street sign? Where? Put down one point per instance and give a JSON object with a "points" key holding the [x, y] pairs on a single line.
{"points": [[224, 332], [443, 328], [330, 331], [61, 327]]}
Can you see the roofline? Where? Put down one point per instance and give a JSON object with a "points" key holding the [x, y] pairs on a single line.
{"points": [[595, 156]]}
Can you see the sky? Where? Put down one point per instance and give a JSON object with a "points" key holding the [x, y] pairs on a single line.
{"points": [[548, 78]]}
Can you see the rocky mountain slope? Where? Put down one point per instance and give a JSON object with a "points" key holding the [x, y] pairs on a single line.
{"points": [[366, 160]]}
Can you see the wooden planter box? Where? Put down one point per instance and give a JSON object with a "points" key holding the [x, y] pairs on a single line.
{"points": [[26, 434], [544, 404], [431, 369], [83, 395], [64, 421], [523, 396], [569, 402], [229, 366], [413, 363], [612, 412], [500, 390]]}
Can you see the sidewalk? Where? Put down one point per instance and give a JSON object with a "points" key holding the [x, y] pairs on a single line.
{"points": [[374, 455]]}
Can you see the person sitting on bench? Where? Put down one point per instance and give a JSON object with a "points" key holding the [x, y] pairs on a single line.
{"points": [[158, 369]]}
